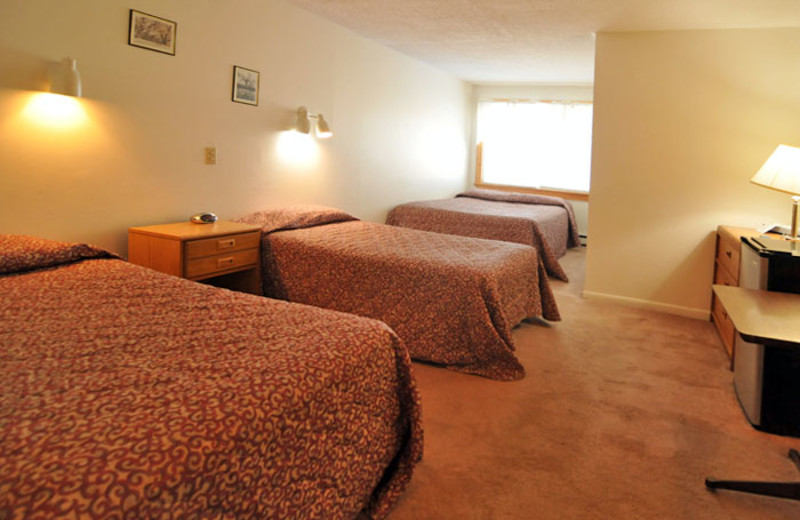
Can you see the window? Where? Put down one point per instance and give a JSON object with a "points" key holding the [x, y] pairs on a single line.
{"points": [[543, 145]]}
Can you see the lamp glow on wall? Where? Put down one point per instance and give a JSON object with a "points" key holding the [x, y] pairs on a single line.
{"points": [[781, 172], [303, 124], [58, 107], [65, 78]]}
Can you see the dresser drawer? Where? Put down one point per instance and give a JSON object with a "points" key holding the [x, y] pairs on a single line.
{"points": [[221, 245], [213, 265], [728, 248], [724, 325], [723, 277]]}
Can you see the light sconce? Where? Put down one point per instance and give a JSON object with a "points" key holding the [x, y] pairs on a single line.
{"points": [[65, 78], [303, 125]]}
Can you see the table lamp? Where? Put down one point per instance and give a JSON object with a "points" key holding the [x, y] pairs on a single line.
{"points": [[781, 172]]}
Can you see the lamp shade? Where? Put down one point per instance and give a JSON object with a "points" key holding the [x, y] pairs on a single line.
{"points": [[781, 172], [74, 87], [302, 124], [323, 130], [65, 78]]}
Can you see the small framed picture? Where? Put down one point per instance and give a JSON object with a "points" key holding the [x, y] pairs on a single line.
{"points": [[245, 85], [151, 32]]}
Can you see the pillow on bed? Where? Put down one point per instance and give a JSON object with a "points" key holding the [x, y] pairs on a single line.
{"points": [[505, 196], [294, 217], [23, 253]]}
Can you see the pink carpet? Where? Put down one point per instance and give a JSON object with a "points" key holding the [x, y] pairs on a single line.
{"points": [[622, 415]]}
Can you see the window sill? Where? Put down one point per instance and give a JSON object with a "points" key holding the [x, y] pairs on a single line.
{"points": [[564, 194]]}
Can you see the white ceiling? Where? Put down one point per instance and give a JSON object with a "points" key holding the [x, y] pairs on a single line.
{"points": [[532, 41]]}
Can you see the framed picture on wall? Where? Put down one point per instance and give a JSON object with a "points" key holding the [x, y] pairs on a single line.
{"points": [[152, 32], [245, 85]]}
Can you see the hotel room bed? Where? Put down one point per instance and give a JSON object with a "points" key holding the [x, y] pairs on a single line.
{"points": [[546, 223], [128, 393], [452, 300]]}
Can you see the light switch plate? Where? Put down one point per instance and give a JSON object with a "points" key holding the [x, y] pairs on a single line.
{"points": [[211, 155]]}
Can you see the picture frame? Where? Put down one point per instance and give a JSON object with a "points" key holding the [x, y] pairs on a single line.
{"points": [[152, 32], [245, 85]]}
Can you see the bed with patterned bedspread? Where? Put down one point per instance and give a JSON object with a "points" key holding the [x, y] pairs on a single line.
{"points": [[452, 300], [127, 393], [546, 223]]}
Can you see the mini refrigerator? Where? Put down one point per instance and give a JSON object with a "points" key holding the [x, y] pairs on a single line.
{"points": [[767, 378]]}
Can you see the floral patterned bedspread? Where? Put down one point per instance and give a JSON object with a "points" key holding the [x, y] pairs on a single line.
{"points": [[546, 223], [127, 393], [452, 300]]}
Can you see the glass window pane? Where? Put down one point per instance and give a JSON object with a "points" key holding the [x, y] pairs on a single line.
{"points": [[538, 145]]}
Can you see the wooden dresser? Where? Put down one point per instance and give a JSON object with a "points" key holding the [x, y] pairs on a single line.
{"points": [[726, 272], [225, 254]]}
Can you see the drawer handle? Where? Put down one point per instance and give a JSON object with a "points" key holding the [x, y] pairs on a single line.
{"points": [[224, 262], [226, 244], [728, 254]]}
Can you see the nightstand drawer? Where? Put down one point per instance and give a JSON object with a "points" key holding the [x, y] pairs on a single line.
{"points": [[728, 255], [221, 245], [724, 324], [213, 265], [723, 277]]}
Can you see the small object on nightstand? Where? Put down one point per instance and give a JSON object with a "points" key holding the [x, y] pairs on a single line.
{"points": [[773, 228], [205, 217]]}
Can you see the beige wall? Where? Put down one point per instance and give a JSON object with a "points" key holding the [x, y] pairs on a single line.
{"points": [[683, 119], [134, 156]]}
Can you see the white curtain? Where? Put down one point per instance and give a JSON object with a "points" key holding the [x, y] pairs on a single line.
{"points": [[538, 145]]}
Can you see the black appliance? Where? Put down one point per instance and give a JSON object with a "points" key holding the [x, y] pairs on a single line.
{"points": [[767, 378]]}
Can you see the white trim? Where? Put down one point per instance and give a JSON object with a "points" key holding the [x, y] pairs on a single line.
{"points": [[667, 308]]}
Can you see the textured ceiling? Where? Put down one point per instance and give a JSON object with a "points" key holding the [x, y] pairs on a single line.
{"points": [[532, 41]]}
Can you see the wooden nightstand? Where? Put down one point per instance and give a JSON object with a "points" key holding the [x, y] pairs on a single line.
{"points": [[224, 254]]}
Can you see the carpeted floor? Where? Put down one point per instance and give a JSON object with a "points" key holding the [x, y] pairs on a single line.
{"points": [[622, 415]]}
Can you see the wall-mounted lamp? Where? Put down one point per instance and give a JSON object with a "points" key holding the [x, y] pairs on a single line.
{"points": [[65, 78], [303, 125], [781, 172]]}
